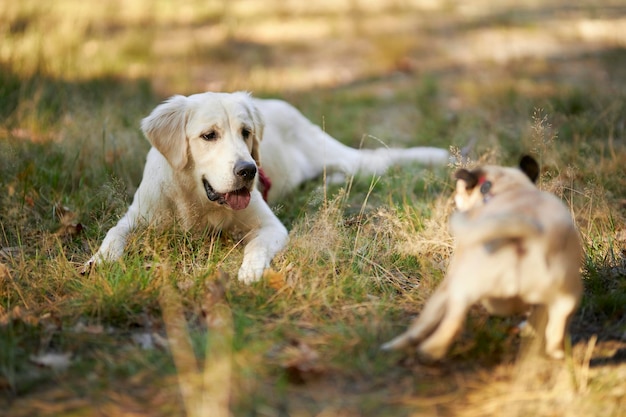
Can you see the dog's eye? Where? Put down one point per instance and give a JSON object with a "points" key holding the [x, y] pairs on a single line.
{"points": [[245, 133], [486, 187], [210, 136]]}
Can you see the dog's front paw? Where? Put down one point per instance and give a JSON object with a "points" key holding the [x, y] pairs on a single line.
{"points": [[86, 268], [252, 270]]}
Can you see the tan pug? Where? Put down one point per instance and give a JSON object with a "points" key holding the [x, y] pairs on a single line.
{"points": [[517, 250]]}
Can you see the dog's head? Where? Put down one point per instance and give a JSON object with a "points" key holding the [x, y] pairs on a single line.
{"points": [[475, 188], [212, 139]]}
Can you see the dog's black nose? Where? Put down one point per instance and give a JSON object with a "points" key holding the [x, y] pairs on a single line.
{"points": [[245, 170]]}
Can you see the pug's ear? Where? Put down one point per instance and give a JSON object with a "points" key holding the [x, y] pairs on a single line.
{"points": [[165, 130], [530, 167], [469, 177], [258, 126]]}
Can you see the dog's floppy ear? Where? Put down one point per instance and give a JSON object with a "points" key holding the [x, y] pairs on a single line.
{"points": [[259, 126], [530, 167], [470, 178], [165, 129]]}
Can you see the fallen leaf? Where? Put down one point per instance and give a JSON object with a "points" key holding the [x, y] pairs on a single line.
{"points": [[69, 226], [57, 361], [301, 362], [29, 200], [275, 279]]}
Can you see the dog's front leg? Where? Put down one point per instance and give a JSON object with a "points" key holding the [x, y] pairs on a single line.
{"points": [[265, 241], [559, 313], [114, 242], [147, 201]]}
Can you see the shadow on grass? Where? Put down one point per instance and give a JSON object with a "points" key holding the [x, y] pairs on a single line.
{"points": [[43, 168]]}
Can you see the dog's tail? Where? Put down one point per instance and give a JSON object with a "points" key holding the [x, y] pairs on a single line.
{"points": [[495, 228], [377, 161]]}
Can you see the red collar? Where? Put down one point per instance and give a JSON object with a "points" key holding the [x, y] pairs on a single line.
{"points": [[265, 182]]}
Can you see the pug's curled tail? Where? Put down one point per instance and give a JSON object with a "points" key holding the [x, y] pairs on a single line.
{"points": [[484, 231]]}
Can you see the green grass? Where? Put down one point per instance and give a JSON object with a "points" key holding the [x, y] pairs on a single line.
{"points": [[363, 256]]}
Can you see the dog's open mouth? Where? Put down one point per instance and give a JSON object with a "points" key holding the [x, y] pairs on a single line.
{"points": [[237, 200]]}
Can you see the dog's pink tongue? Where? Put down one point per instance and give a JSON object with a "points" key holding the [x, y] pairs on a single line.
{"points": [[238, 200]]}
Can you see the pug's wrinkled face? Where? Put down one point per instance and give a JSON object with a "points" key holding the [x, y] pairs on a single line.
{"points": [[476, 187]]}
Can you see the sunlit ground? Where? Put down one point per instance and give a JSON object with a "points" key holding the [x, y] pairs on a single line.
{"points": [[194, 46], [397, 71]]}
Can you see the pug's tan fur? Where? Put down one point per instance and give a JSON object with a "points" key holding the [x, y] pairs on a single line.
{"points": [[517, 249]]}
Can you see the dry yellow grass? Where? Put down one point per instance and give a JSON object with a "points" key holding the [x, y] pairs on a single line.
{"points": [[510, 77]]}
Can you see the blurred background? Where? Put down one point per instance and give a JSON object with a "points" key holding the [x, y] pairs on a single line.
{"points": [[77, 76], [506, 75], [294, 45]]}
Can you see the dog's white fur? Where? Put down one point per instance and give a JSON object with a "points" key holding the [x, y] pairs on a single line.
{"points": [[202, 170], [516, 248]]}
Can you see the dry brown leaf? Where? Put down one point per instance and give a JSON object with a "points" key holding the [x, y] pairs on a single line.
{"points": [[70, 230], [276, 280], [69, 226], [301, 362]]}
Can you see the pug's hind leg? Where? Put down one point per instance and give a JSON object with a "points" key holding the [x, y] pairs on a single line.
{"points": [[559, 313], [438, 343], [422, 326]]}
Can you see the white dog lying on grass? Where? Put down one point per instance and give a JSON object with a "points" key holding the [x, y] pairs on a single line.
{"points": [[204, 168]]}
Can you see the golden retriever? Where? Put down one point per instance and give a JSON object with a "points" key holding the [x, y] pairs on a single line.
{"points": [[517, 249], [214, 158]]}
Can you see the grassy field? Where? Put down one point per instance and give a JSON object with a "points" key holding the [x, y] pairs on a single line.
{"points": [[169, 331]]}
